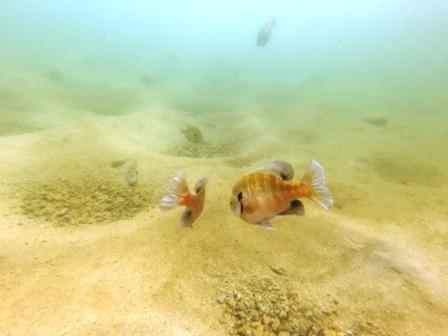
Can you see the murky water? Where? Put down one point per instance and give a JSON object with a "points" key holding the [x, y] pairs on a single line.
{"points": [[101, 103]]}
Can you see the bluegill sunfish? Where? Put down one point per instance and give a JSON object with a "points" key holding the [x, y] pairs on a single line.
{"points": [[269, 191]]}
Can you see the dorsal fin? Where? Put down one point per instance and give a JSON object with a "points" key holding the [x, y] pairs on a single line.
{"points": [[200, 185], [280, 168]]}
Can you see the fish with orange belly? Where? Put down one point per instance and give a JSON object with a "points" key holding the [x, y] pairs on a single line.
{"points": [[269, 191], [179, 195]]}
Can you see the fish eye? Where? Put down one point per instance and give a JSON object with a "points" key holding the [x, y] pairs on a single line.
{"points": [[240, 196]]}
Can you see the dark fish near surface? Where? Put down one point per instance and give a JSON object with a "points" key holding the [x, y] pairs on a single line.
{"points": [[265, 32], [179, 195], [269, 191]]}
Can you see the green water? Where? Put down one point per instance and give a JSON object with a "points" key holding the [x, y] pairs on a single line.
{"points": [[92, 91]]}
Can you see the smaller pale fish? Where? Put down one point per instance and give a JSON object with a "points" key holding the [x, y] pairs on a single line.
{"points": [[132, 173], [179, 195]]}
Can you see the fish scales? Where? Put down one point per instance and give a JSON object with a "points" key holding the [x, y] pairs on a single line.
{"points": [[269, 191]]}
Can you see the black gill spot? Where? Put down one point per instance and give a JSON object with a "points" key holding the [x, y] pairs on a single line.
{"points": [[240, 197]]}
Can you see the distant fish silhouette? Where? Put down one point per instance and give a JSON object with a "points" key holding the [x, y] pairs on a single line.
{"points": [[172, 57], [265, 32], [54, 75]]}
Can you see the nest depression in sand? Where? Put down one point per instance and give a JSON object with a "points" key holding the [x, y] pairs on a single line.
{"points": [[85, 201]]}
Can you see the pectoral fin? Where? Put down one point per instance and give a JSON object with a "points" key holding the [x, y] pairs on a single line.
{"points": [[266, 224]]}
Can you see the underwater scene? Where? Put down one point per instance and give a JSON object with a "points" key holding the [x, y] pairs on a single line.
{"points": [[251, 168]]}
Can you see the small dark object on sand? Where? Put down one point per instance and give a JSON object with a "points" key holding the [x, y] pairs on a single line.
{"points": [[376, 120], [278, 270], [118, 163], [193, 134]]}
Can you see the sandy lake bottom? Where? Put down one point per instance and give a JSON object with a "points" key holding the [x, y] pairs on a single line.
{"points": [[83, 253]]}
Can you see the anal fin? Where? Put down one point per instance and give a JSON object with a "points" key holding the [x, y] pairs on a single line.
{"points": [[295, 208], [187, 219]]}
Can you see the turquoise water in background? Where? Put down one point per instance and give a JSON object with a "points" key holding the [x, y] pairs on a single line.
{"points": [[372, 52]]}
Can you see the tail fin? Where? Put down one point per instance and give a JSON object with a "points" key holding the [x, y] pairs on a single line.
{"points": [[314, 178], [178, 188]]}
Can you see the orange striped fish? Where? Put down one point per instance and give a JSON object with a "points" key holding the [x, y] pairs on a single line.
{"points": [[269, 191]]}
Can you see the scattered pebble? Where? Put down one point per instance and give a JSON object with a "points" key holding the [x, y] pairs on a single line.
{"points": [[278, 270], [220, 299], [260, 306], [62, 212]]}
